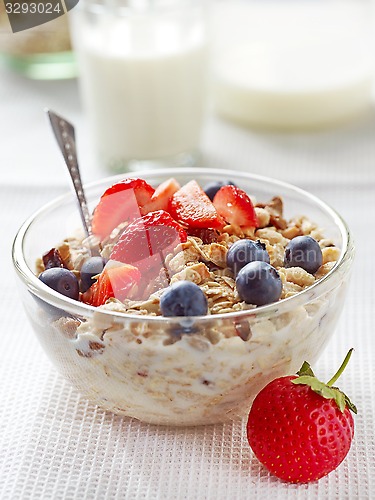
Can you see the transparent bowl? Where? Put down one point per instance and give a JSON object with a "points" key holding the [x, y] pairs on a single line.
{"points": [[123, 362]]}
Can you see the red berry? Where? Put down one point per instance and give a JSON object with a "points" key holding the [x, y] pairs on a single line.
{"points": [[52, 259], [120, 203], [235, 206], [191, 206], [298, 434], [161, 197], [149, 235], [116, 280], [205, 234]]}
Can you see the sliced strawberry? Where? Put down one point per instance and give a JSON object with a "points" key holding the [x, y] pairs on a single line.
{"points": [[116, 280], [147, 236], [161, 197], [120, 203], [153, 272], [235, 206], [191, 206]]}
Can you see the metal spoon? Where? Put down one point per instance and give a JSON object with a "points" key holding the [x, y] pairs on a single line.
{"points": [[65, 136]]}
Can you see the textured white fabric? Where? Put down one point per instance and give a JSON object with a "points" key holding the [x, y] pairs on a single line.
{"points": [[56, 445]]}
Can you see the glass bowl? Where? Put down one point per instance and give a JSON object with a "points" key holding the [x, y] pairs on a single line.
{"points": [[126, 364]]}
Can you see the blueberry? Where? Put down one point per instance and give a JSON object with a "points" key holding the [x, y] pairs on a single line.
{"points": [[61, 280], [213, 187], [305, 252], [259, 283], [183, 298], [243, 252], [90, 268]]}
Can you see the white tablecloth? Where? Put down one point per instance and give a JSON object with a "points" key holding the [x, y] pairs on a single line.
{"points": [[56, 445]]}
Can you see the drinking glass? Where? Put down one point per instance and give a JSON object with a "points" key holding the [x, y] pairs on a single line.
{"points": [[142, 67]]}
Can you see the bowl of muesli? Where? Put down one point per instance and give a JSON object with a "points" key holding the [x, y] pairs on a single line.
{"points": [[194, 289]]}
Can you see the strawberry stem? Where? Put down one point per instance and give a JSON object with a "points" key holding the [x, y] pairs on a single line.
{"points": [[341, 369]]}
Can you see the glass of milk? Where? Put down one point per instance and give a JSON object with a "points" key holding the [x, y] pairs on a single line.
{"points": [[293, 64], [142, 67]]}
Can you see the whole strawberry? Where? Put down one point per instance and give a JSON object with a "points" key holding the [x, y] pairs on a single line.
{"points": [[300, 428]]}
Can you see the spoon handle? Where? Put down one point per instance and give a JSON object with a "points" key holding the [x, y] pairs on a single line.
{"points": [[65, 136]]}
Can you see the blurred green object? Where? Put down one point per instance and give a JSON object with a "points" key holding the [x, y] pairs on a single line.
{"points": [[40, 53], [47, 66]]}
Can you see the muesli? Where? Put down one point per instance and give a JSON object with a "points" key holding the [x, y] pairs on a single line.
{"points": [[181, 252], [200, 234]]}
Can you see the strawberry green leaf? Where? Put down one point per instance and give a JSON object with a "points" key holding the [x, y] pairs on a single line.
{"points": [[317, 386], [327, 391], [350, 405], [306, 370], [323, 390]]}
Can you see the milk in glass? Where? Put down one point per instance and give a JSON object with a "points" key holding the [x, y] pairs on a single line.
{"points": [[143, 82], [292, 64]]}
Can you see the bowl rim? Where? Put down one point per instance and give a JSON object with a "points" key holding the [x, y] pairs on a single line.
{"points": [[81, 309]]}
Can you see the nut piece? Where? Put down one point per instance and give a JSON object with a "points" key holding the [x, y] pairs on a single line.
{"points": [[330, 254], [276, 253], [324, 269], [271, 235], [197, 273], [291, 232], [263, 217], [67, 326], [299, 276], [217, 254], [189, 253], [64, 250]]}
